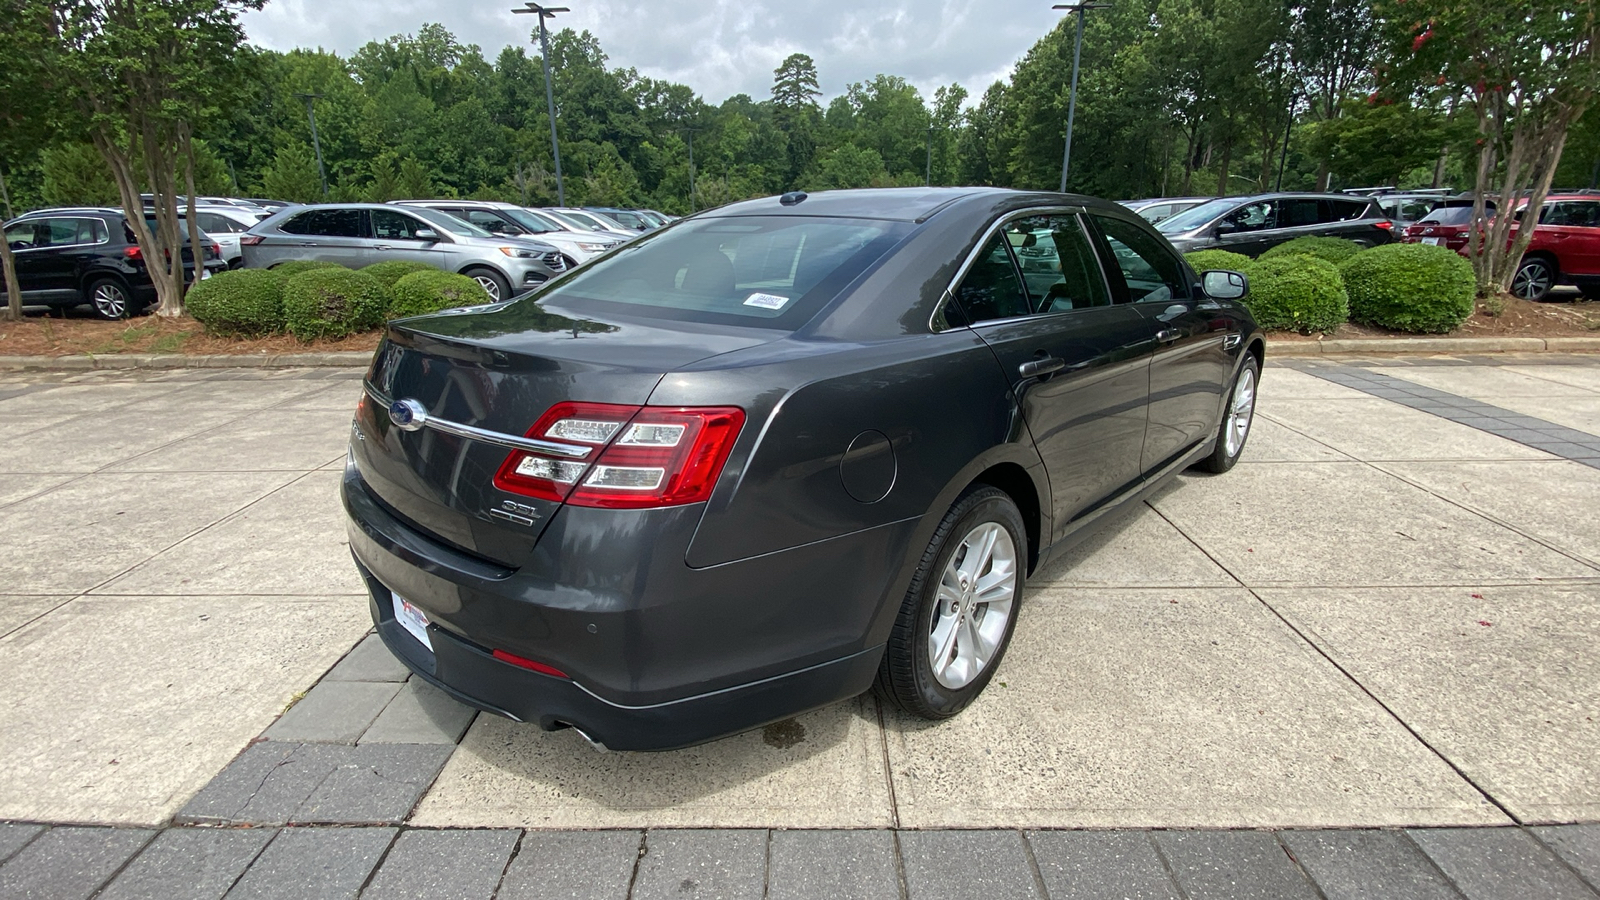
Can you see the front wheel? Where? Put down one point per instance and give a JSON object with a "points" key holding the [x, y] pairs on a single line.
{"points": [[110, 299], [1534, 280], [1236, 419], [492, 282], [960, 610]]}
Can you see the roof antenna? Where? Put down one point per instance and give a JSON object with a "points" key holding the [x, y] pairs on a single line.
{"points": [[793, 198]]}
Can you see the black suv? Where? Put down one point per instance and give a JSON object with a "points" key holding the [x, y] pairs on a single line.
{"points": [[1255, 224], [66, 257]]}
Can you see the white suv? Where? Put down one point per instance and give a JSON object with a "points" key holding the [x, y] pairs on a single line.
{"points": [[513, 221]]}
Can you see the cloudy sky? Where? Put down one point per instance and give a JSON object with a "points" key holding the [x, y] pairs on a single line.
{"points": [[717, 47]]}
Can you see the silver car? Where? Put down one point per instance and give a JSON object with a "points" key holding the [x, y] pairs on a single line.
{"points": [[360, 234], [511, 220], [225, 225]]}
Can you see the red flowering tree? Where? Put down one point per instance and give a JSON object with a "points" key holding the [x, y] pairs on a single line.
{"points": [[1528, 69]]}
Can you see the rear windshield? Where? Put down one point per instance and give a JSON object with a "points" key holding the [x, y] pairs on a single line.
{"points": [[1450, 215], [772, 272]]}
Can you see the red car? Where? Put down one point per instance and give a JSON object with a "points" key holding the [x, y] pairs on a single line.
{"points": [[1565, 247]]}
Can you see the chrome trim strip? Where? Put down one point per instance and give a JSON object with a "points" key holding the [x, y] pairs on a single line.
{"points": [[485, 436]]}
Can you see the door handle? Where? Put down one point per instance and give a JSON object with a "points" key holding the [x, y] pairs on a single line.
{"points": [[382, 247], [1168, 335], [309, 244], [1038, 368]]}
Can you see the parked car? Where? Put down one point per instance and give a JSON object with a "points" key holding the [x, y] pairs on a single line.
{"points": [[1448, 224], [585, 219], [359, 234], [1565, 249], [627, 218], [225, 225], [88, 255], [1254, 224], [514, 221], [1163, 208], [774, 459]]}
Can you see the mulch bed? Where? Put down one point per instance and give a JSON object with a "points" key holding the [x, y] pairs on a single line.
{"points": [[1518, 318]]}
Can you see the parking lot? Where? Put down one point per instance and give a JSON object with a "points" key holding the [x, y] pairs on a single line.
{"points": [[1382, 617]]}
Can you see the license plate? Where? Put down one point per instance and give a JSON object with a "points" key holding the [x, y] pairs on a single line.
{"points": [[204, 274], [412, 620], [1434, 241]]}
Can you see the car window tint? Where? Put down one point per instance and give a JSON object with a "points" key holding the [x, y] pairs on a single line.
{"points": [[1148, 267], [758, 270], [211, 223], [390, 225], [1295, 212], [1253, 216], [1571, 213], [1059, 270], [990, 289], [20, 236], [531, 222], [1344, 210], [326, 223], [87, 233], [491, 222]]}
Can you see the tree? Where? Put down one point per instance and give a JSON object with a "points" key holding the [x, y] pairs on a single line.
{"points": [[850, 166], [794, 84], [293, 175], [1528, 70], [75, 175], [141, 74], [27, 112]]}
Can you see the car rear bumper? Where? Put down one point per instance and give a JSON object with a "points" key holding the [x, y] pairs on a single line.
{"points": [[677, 657]]}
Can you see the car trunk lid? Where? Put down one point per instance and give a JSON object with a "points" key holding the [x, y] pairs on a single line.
{"points": [[499, 369]]}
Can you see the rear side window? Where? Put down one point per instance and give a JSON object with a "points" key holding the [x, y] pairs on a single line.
{"points": [[1345, 210], [325, 223], [767, 271], [211, 223], [991, 290], [1572, 213], [1296, 212], [1150, 270]]}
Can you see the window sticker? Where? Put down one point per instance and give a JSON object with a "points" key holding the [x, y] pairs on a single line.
{"points": [[766, 301]]}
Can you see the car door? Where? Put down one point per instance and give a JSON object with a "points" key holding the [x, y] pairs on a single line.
{"points": [[1249, 228], [1078, 362], [224, 231], [1191, 362], [22, 237], [395, 236], [1570, 229], [49, 268], [329, 234]]}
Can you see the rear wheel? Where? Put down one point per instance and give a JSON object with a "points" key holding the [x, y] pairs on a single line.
{"points": [[1534, 279], [960, 610], [492, 282], [1236, 419], [110, 299]]}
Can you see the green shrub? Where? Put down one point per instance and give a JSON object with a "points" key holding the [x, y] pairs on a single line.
{"points": [[332, 303], [1296, 293], [242, 303], [424, 292], [393, 270], [1329, 249], [1205, 260], [1410, 287], [295, 266]]}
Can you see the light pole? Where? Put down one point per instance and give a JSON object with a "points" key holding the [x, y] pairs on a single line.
{"points": [[1283, 160], [549, 12], [928, 179], [311, 116], [690, 133], [1072, 99]]}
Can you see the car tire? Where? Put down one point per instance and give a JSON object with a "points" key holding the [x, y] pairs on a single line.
{"points": [[492, 282], [109, 298], [946, 644], [1237, 417], [1534, 280]]}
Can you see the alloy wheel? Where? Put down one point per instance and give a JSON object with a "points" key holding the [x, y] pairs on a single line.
{"points": [[1533, 280], [975, 597], [490, 286], [109, 300], [1241, 410]]}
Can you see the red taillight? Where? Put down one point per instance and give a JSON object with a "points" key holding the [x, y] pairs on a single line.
{"points": [[647, 456], [1386, 225], [216, 251], [528, 664], [133, 252], [250, 240]]}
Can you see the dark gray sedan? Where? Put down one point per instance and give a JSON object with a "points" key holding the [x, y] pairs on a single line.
{"points": [[770, 456]]}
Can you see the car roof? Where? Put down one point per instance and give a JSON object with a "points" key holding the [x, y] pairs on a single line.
{"points": [[71, 211], [911, 204], [476, 204]]}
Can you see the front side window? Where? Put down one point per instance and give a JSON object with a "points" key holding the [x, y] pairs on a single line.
{"points": [[1253, 217], [21, 235], [326, 223], [396, 226], [1149, 270], [1058, 265], [766, 271]]}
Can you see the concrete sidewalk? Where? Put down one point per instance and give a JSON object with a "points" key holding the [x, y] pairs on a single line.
{"points": [[1383, 617]]}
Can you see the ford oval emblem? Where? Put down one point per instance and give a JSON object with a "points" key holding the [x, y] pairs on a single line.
{"points": [[407, 415]]}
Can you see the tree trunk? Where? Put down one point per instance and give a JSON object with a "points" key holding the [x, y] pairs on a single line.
{"points": [[194, 218], [8, 264], [5, 194]]}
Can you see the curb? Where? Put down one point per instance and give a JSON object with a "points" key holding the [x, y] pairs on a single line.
{"points": [[342, 359], [359, 358]]}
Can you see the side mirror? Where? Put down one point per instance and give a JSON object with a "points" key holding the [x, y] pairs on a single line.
{"points": [[1226, 228], [1220, 284], [426, 235]]}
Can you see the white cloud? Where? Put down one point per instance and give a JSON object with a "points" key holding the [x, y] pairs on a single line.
{"points": [[717, 47]]}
